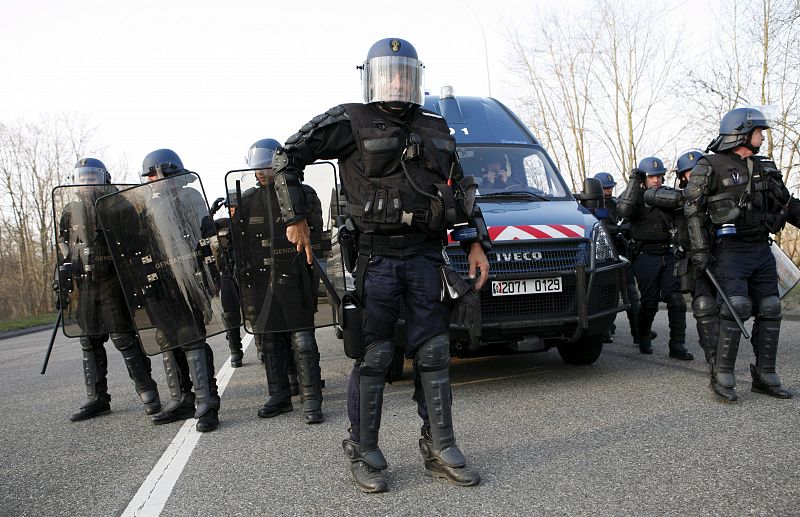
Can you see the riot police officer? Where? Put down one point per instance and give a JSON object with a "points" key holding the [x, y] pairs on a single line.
{"points": [[186, 366], [734, 200], [287, 308], [228, 286], [704, 305], [404, 189], [651, 208], [620, 231], [100, 306]]}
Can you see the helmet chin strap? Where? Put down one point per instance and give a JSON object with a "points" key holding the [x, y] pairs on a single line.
{"points": [[395, 107]]}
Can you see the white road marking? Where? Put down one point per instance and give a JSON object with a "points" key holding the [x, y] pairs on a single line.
{"points": [[156, 489]]}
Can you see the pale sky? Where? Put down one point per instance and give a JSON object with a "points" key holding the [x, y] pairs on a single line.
{"points": [[207, 79]]}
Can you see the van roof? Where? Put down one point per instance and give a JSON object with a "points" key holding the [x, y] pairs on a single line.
{"points": [[481, 120]]}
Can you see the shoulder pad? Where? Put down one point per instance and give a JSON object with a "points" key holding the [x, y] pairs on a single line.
{"points": [[767, 164], [323, 119], [249, 192], [702, 168]]}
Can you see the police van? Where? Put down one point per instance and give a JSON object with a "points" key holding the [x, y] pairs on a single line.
{"points": [[555, 277]]}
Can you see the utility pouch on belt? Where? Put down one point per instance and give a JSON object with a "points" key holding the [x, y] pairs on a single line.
{"points": [[444, 213], [723, 208], [351, 322]]}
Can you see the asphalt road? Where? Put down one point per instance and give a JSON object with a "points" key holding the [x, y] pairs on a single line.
{"points": [[629, 435]]}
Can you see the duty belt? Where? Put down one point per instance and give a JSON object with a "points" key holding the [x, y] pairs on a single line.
{"points": [[656, 247], [402, 245], [421, 216]]}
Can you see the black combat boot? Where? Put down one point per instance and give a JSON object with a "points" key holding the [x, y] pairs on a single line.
{"points": [[676, 313], [276, 356], [294, 383], [367, 461], [181, 403], [723, 381], [437, 443], [307, 358], [95, 367], [206, 400], [139, 371], [647, 312], [707, 318], [234, 338], [765, 379]]}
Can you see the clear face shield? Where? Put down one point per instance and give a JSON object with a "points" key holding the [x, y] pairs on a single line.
{"points": [[160, 171], [393, 79], [88, 176]]}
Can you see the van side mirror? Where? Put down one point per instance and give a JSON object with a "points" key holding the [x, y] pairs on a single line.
{"points": [[592, 196]]}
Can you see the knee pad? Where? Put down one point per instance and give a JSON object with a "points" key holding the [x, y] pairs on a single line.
{"points": [[676, 302], [742, 304], [704, 306], [90, 343], [304, 341], [649, 308], [434, 354], [769, 308], [377, 358], [633, 293], [123, 341]]}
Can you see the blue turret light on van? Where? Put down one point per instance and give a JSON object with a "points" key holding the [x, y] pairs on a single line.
{"points": [[447, 92]]}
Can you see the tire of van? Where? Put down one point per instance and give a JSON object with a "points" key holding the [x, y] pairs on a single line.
{"points": [[585, 351]]}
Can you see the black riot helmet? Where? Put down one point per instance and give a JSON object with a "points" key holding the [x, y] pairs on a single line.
{"points": [[736, 127], [161, 163], [90, 171], [392, 72]]}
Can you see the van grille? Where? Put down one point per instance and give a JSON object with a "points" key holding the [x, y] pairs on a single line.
{"points": [[527, 258]]}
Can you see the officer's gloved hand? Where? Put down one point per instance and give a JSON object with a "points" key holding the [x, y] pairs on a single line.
{"points": [[467, 312], [700, 260], [217, 204], [637, 174]]}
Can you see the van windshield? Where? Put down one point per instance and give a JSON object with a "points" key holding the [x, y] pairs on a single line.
{"points": [[511, 169]]}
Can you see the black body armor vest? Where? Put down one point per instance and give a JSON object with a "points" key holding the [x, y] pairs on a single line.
{"points": [[380, 197], [755, 204], [654, 226]]}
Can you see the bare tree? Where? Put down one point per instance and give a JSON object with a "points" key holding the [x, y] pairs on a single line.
{"points": [[34, 158]]}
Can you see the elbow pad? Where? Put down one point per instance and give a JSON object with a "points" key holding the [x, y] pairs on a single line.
{"points": [[626, 204], [663, 197], [289, 190], [477, 222]]}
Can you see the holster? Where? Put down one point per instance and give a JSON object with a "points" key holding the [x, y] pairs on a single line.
{"points": [[348, 244], [351, 323]]}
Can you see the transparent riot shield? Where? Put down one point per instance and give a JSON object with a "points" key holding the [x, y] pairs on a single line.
{"points": [[89, 291], [279, 291], [162, 239], [788, 273]]}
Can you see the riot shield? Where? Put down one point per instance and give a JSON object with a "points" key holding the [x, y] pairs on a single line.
{"points": [[788, 273], [162, 239], [280, 292], [89, 291]]}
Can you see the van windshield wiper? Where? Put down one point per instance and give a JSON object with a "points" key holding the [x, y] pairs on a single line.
{"points": [[515, 194]]}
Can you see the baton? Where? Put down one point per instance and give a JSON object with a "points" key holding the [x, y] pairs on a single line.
{"points": [[52, 340], [728, 304], [327, 281]]}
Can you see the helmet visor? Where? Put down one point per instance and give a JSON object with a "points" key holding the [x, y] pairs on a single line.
{"points": [[393, 79], [260, 157], [89, 176]]}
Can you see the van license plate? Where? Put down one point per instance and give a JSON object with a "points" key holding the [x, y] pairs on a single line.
{"points": [[529, 286]]}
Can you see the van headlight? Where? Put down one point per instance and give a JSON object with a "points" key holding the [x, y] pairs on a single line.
{"points": [[603, 245]]}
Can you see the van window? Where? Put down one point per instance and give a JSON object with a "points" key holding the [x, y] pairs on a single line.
{"points": [[511, 169]]}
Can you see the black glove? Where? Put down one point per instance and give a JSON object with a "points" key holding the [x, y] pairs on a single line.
{"points": [[217, 204], [638, 175], [700, 260], [467, 307], [58, 301], [467, 312]]}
